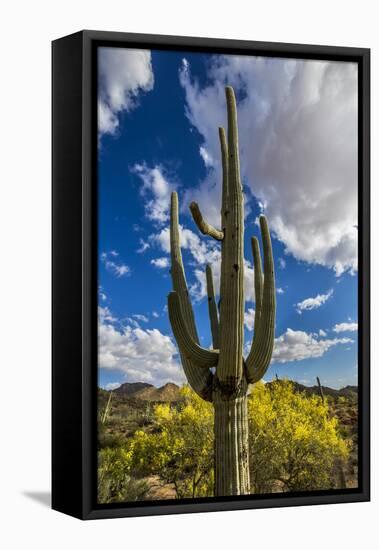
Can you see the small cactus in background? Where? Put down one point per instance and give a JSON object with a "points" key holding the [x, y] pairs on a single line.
{"points": [[107, 409], [320, 389], [222, 375]]}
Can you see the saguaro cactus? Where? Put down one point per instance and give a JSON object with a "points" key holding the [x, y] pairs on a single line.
{"points": [[321, 392], [222, 375]]}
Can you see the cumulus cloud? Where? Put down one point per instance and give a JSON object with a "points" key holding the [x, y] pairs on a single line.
{"points": [[156, 190], [105, 315], [346, 327], [117, 268], [298, 144], [313, 303], [161, 263], [249, 319], [123, 74], [140, 355], [321, 332], [296, 345]]}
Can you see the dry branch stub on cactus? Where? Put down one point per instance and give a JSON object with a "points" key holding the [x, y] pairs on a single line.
{"points": [[222, 375]]}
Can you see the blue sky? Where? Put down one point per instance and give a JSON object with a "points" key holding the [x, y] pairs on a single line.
{"points": [[158, 118]]}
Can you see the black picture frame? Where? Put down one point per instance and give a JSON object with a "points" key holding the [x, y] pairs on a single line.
{"points": [[74, 273]]}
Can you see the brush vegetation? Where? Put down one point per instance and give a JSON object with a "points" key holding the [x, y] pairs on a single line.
{"points": [[151, 450]]}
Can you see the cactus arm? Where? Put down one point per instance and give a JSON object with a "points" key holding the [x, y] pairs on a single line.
{"points": [[258, 283], [200, 357], [230, 367], [212, 308], [204, 227], [201, 380], [260, 354]]}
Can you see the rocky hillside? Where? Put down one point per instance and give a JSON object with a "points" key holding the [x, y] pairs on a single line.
{"points": [[348, 391], [130, 388], [170, 391], [147, 392]]}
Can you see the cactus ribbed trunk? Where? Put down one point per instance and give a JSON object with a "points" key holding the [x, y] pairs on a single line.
{"points": [[221, 375], [231, 432], [232, 308]]}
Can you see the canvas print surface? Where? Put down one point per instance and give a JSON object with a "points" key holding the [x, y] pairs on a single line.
{"points": [[227, 275]]}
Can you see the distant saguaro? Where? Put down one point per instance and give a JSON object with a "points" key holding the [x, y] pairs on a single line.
{"points": [[320, 389]]}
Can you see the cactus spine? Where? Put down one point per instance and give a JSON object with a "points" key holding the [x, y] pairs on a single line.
{"points": [[221, 375]]}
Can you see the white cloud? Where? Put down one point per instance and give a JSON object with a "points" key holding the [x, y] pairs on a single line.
{"points": [[140, 317], [156, 190], [143, 246], [346, 327], [162, 239], [102, 295], [249, 282], [322, 332], [207, 158], [282, 263], [249, 319], [280, 290], [313, 303], [141, 355], [130, 321], [298, 144], [296, 345], [155, 314], [105, 314], [123, 74], [117, 268], [161, 263]]}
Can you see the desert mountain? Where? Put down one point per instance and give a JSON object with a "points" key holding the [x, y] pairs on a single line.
{"points": [[148, 392], [170, 391], [348, 391], [130, 388]]}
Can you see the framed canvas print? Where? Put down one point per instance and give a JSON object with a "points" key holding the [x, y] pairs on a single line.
{"points": [[210, 274]]}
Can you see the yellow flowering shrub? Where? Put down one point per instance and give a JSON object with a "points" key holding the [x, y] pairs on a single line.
{"points": [[294, 443]]}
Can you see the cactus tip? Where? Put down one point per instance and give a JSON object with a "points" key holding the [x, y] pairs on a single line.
{"points": [[263, 222]]}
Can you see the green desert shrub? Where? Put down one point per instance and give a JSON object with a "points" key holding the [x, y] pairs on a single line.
{"points": [[115, 481]]}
